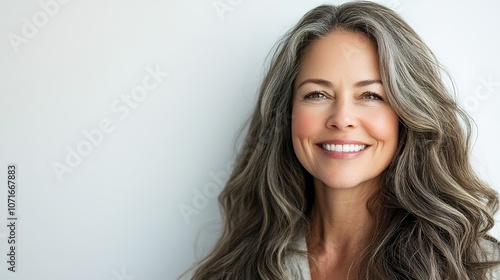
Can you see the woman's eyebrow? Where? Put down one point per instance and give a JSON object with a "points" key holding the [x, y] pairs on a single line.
{"points": [[367, 83], [326, 83], [316, 81]]}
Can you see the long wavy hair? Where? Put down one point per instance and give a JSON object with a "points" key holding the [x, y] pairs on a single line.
{"points": [[436, 211]]}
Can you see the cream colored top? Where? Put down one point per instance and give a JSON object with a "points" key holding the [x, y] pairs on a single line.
{"points": [[298, 265]]}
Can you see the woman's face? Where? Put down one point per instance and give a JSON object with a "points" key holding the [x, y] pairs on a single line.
{"points": [[344, 131]]}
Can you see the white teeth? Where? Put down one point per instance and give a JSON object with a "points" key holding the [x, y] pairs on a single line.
{"points": [[346, 148]]}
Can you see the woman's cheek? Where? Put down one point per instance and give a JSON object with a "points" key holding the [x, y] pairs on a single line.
{"points": [[306, 120]]}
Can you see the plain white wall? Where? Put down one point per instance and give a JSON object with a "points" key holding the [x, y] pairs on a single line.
{"points": [[168, 84]]}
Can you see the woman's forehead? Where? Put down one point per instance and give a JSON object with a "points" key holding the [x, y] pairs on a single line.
{"points": [[340, 55]]}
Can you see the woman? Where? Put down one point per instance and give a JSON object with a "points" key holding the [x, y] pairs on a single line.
{"points": [[356, 163]]}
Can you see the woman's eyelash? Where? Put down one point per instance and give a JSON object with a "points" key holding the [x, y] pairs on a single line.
{"points": [[315, 95], [366, 95], [372, 96]]}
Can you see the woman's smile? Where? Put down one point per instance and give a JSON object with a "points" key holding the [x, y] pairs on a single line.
{"points": [[342, 149]]}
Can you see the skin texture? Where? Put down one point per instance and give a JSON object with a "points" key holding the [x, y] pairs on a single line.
{"points": [[338, 97]]}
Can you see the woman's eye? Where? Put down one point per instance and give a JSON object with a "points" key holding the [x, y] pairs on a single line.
{"points": [[315, 95], [372, 96]]}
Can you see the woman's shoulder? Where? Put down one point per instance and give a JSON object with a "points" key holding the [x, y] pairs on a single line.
{"points": [[296, 262]]}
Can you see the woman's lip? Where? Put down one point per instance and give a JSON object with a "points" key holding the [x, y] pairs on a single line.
{"points": [[342, 142]]}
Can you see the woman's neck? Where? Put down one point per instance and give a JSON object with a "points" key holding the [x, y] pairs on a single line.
{"points": [[341, 227]]}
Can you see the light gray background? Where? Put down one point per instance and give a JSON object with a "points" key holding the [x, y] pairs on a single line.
{"points": [[117, 214]]}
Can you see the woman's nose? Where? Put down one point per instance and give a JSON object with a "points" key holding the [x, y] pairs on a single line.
{"points": [[342, 116]]}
